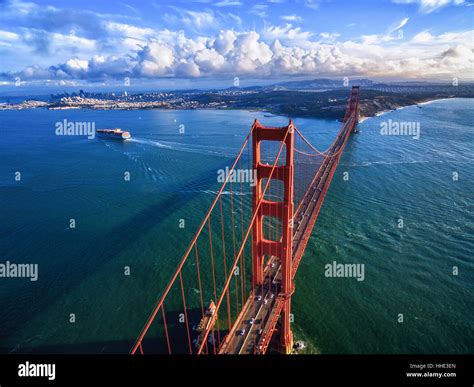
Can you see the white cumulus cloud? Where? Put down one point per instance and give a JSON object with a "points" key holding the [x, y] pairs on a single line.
{"points": [[428, 6], [231, 53]]}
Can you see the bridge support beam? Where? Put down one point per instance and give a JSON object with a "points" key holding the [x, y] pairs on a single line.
{"points": [[282, 210], [286, 335]]}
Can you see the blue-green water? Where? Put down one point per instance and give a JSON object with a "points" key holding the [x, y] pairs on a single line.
{"points": [[134, 223]]}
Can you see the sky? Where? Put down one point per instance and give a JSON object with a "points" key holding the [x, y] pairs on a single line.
{"points": [[203, 42]]}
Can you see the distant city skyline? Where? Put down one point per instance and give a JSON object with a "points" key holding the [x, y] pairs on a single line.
{"points": [[205, 43]]}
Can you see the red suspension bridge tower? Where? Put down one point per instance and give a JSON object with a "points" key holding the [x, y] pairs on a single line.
{"points": [[262, 245]]}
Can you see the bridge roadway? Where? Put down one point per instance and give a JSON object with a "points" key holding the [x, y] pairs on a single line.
{"points": [[256, 323]]}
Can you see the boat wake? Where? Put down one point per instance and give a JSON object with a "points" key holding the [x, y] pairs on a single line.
{"points": [[183, 147]]}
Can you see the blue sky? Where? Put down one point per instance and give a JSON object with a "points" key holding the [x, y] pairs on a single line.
{"points": [[75, 42]]}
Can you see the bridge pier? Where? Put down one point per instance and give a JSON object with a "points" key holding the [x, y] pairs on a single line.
{"points": [[286, 335]]}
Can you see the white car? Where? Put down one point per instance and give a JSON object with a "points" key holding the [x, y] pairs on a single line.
{"points": [[252, 321], [242, 332]]}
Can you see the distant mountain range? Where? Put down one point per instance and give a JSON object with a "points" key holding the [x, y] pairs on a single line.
{"points": [[323, 84]]}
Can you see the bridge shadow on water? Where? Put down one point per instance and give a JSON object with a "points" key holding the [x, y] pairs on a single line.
{"points": [[153, 345], [100, 252]]}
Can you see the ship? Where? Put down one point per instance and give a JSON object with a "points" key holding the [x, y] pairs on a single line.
{"points": [[116, 133]]}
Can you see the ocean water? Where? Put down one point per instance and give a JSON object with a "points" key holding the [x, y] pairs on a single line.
{"points": [[134, 223]]}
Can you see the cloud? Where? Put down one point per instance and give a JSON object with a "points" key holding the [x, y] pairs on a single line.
{"points": [[128, 7], [329, 37], [313, 4], [52, 19], [394, 32], [155, 60], [199, 19], [129, 31], [209, 60], [259, 10], [7, 36], [398, 25], [291, 18], [249, 53], [227, 3], [203, 20], [287, 34], [428, 6], [48, 33], [224, 43], [425, 38], [8, 39], [67, 49]]}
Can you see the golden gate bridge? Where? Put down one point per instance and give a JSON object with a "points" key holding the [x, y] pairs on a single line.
{"points": [[231, 291]]}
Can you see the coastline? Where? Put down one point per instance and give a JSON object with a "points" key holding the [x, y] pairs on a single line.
{"points": [[375, 110], [423, 103]]}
